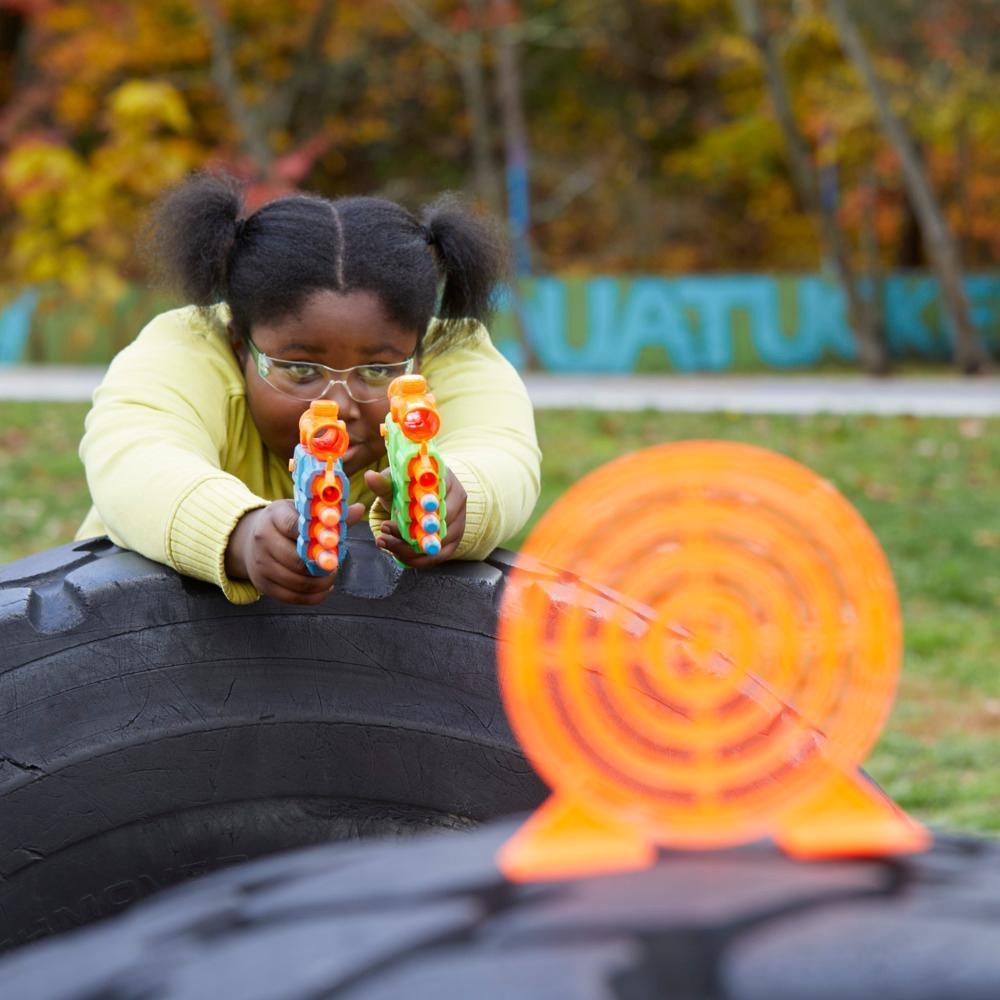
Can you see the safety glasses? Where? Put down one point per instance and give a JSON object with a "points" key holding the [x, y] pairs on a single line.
{"points": [[307, 380]]}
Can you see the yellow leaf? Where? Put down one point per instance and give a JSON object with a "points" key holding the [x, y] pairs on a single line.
{"points": [[146, 104]]}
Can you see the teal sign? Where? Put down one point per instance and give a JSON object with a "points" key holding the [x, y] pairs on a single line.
{"points": [[721, 323], [15, 324], [603, 324]]}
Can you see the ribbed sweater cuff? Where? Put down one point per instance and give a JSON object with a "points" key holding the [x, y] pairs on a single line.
{"points": [[476, 512], [199, 532], [376, 515]]}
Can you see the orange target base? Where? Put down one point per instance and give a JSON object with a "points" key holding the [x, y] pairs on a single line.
{"points": [[848, 817], [568, 837], [571, 838]]}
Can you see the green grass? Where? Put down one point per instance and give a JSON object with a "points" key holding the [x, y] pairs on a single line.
{"points": [[43, 495], [929, 488]]}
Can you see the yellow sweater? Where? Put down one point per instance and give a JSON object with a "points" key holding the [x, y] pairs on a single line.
{"points": [[174, 459]]}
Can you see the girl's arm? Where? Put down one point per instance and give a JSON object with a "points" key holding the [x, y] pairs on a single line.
{"points": [[153, 448]]}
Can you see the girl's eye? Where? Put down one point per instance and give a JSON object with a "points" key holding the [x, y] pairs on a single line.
{"points": [[378, 374], [300, 373]]}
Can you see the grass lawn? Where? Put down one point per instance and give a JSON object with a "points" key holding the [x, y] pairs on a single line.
{"points": [[929, 488], [43, 494]]}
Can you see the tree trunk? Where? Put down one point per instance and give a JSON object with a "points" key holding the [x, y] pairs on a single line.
{"points": [[872, 351], [252, 133], [299, 104], [871, 263], [470, 64], [970, 355], [910, 253], [464, 47], [515, 133], [963, 171], [13, 30], [516, 148]]}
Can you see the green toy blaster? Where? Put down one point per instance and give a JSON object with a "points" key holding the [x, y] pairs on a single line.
{"points": [[416, 467]]}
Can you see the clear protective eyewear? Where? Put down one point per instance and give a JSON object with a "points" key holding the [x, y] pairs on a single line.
{"points": [[308, 380]]}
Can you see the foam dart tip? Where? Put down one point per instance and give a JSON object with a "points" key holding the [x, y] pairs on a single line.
{"points": [[326, 560], [431, 545], [429, 502], [329, 516], [328, 538], [430, 524]]}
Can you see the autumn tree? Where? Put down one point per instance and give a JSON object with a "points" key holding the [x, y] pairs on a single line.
{"points": [[872, 351], [653, 142], [970, 355], [462, 40]]}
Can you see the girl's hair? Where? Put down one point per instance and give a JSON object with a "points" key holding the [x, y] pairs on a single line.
{"points": [[266, 265]]}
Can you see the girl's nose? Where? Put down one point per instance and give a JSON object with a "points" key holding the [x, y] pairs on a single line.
{"points": [[346, 404]]}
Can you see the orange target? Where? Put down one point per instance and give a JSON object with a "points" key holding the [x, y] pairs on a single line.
{"points": [[717, 660]]}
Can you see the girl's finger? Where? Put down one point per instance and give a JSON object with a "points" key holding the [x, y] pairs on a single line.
{"points": [[279, 559], [454, 492], [355, 512], [397, 547], [281, 551], [381, 486], [299, 583], [455, 523], [285, 518], [293, 597], [405, 554], [456, 528]]}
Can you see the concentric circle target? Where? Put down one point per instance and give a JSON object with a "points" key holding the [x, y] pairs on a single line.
{"points": [[727, 628]]}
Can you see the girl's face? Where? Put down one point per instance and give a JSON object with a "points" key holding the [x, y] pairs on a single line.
{"points": [[337, 330]]}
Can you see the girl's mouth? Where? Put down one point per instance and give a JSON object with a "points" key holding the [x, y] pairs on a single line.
{"points": [[353, 457]]}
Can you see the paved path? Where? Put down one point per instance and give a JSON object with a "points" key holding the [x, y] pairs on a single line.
{"points": [[947, 397]]}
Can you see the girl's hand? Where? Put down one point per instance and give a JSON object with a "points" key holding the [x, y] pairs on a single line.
{"points": [[262, 550], [392, 541]]}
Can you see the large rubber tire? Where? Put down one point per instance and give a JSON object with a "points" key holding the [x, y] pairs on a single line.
{"points": [[150, 730], [431, 919]]}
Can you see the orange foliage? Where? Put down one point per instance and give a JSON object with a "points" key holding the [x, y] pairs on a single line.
{"points": [[653, 144]]}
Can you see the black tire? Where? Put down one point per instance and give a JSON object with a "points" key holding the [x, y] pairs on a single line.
{"points": [[150, 730], [431, 919]]}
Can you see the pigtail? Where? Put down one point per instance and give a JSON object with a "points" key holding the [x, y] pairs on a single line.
{"points": [[264, 267], [191, 236], [472, 256]]}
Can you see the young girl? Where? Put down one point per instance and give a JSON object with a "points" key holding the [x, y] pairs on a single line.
{"points": [[186, 448]]}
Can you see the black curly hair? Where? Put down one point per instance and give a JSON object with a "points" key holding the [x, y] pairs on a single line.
{"points": [[265, 266]]}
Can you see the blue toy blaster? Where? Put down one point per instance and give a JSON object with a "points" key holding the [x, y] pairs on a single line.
{"points": [[321, 487]]}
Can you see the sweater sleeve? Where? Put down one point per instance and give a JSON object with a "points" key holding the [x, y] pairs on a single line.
{"points": [[487, 439], [152, 451]]}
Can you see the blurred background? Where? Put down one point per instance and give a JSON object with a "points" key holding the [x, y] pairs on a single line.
{"points": [[691, 186]]}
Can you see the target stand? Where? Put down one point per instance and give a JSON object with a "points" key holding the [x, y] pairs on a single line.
{"points": [[713, 670]]}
